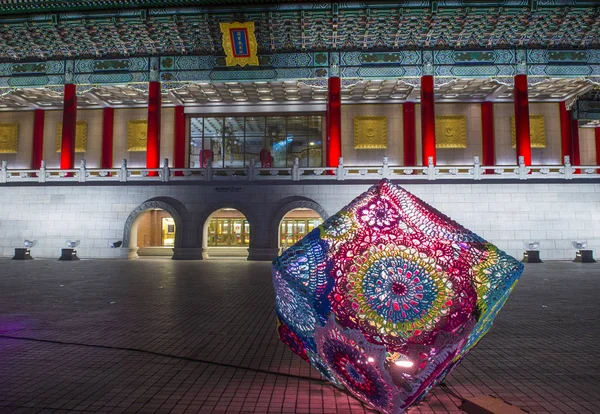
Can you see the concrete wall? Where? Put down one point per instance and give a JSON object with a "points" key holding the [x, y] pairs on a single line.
{"points": [[505, 214], [93, 152], [22, 159], [587, 146], [506, 154]]}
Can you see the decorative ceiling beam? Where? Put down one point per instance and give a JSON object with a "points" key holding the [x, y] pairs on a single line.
{"points": [[91, 96], [27, 103], [500, 90], [174, 98]]}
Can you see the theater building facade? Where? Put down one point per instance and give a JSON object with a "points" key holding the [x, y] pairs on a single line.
{"points": [[202, 130]]}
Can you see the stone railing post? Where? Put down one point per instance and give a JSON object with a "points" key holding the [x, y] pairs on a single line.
{"points": [[166, 172], [430, 169], [296, 170], [385, 170], [340, 169], [250, 171], [42, 174], [82, 171], [123, 173], [522, 168], [476, 168], [3, 172], [568, 168], [209, 172]]}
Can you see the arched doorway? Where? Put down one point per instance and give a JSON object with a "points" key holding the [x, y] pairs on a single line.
{"points": [[296, 224], [226, 234], [165, 207], [156, 231]]}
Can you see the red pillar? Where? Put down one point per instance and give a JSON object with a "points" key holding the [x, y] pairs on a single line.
{"points": [[522, 132], [575, 159], [427, 119], [153, 139], [108, 117], [565, 132], [179, 139], [597, 133], [488, 139], [67, 149], [334, 121], [410, 140], [37, 153]]}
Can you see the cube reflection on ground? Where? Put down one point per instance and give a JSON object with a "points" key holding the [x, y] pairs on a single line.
{"points": [[388, 295]]}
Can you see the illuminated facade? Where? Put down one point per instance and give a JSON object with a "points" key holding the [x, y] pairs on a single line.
{"points": [[206, 93]]}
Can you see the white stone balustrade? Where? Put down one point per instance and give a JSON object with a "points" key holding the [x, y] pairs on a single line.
{"points": [[475, 172]]}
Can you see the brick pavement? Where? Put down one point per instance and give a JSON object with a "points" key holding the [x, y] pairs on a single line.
{"points": [[130, 336]]}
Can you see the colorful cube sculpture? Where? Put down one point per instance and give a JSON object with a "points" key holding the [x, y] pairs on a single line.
{"points": [[388, 295]]}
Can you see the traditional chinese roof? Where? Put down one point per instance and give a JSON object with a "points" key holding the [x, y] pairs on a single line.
{"points": [[53, 6], [44, 30]]}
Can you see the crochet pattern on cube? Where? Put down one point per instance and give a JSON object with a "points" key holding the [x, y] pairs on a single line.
{"points": [[388, 295]]}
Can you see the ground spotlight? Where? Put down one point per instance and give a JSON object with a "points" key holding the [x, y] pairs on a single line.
{"points": [[532, 252], [23, 253], [583, 254], [116, 244], [69, 253]]}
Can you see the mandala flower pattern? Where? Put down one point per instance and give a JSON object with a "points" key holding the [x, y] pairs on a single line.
{"points": [[387, 296]]}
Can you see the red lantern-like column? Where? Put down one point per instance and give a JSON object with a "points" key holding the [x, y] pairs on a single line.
{"points": [[410, 140], [334, 121], [153, 137], [179, 139], [108, 117], [37, 153], [67, 149], [522, 132], [565, 131], [576, 158], [427, 119], [488, 137]]}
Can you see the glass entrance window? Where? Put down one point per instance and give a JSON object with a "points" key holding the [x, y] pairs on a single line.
{"points": [[168, 232], [292, 230], [228, 232], [271, 141]]}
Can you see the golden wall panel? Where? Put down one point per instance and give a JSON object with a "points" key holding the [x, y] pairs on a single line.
{"points": [[80, 136], [370, 132], [137, 135], [9, 138], [537, 130], [451, 131]]}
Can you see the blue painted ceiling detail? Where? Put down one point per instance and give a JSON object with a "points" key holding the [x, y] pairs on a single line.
{"points": [[281, 28]]}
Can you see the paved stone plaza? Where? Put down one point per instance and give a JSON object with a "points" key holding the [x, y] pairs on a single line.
{"points": [[166, 336]]}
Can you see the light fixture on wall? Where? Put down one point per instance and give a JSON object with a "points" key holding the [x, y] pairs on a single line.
{"points": [[72, 244], [532, 245]]}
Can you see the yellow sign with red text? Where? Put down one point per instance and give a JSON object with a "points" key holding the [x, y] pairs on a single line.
{"points": [[239, 44]]}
